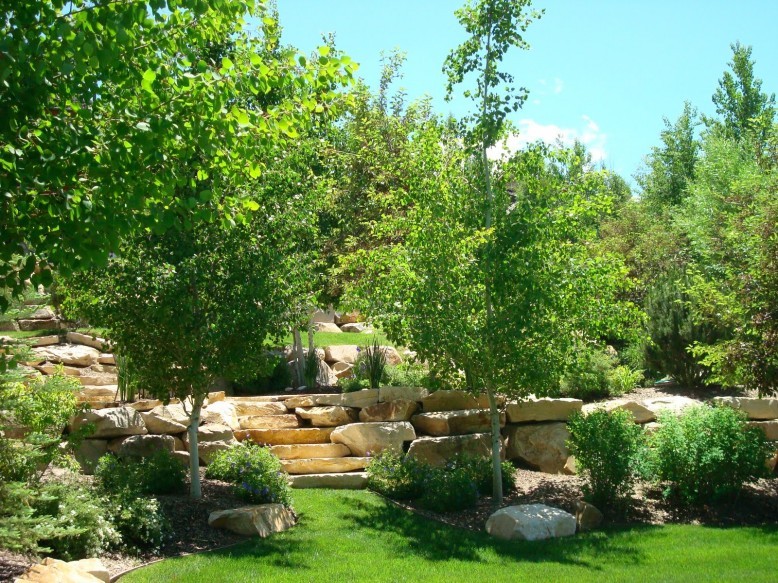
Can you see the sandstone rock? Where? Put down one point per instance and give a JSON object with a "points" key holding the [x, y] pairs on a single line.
{"points": [[347, 353], [44, 313], [757, 409], [269, 422], [530, 522], [359, 399], [45, 340], [453, 401], [436, 451], [342, 370], [326, 377], [640, 412], [88, 452], [105, 380], [454, 422], [323, 316], [342, 481], [56, 571], [94, 567], [770, 428], [396, 410], [246, 408], [260, 399], [327, 416], [293, 403], [324, 465], [146, 405], [8, 326], [402, 393], [212, 432], [216, 396], [330, 327], [112, 422], [354, 327], [262, 520], [106, 358], [33, 325], [587, 516], [310, 450], [207, 450], [543, 409], [49, 369], [166, 419], [286, 436], [347, 318], [392, 356], [673, 404], [100, 344], [68, 354], [571, 468], [221, 412], [651, 427], [90, 392], [362, 438], [542, 446], [139, 446]]}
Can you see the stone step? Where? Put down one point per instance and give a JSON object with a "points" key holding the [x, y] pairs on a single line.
{"points": [[269, 422], [310, 450], [332, 465], [286, 436], [343, 481], [245, 408], [260, 398]]}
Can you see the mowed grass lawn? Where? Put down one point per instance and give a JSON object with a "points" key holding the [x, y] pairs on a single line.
{"points": [[356, 536]]}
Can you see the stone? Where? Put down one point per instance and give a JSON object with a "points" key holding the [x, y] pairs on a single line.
{"points": [[324, 465], [207, 450], [261, 520], [146, 405], [673, 404], [453, 401], [353, 327], [8, 326], [339, 481], [542, 409], [212, 432], [106, 358], [329, 327], [772, 463], [755, 409], [530, 522], [293, 403], [260, 398], [326, 377], [216, 396], [395, 410], [441, 423], [221, 412], [327, 416], [403, 393], [286, 436], [374, 438], [269, 422], [770, 428], [111, 422], [571, 467], [246, 408], [95, 342], [89, 452], [33, 325], [109, 380], [139, 446], [342, 370], [94, 567], [50, 369], [392, 356], [56, 571], [68, 354], [587, 516], [45, 340], [323, 316], [360, 399], [640, 412], [310, 450], [436, 451], [542, 446], [347, 353], [166, 419], [347, 318]]}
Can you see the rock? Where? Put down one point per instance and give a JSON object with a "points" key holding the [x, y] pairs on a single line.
{"points": [[354, 327], [436, 451], [262, 520], [640, 412], [166, 419], [530, 522], [330, 327], [146, 405], [100, 344], [68, 354], [392, 356], [454, 422], [109, 380], [269, 422], [340, 481], [246, 408], [33, 325], [106, 358], [56, 571], [326, 377], [216, 397], [139, 446], [310, 450], [89, 452], [44, 313], [221, 412], [453, 401], [112, 422], [587, 516], [542, 445], [94, 567], [327, 416], [756, 409], [347, 318], [286, 436], [362, 438], [772, 463], [342, 370], [543, 409], [45, 340], [403, 393], [260, 399], [770, 428], [50, 369], [207, 450], [324, 465], [673, 404], [212, 432], [396, 410], [323, 316], [347, 353], [359, 399], [8, 326], [571, 468]]}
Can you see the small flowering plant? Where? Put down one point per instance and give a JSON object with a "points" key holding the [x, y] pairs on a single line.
{"points": [[256, 474]]}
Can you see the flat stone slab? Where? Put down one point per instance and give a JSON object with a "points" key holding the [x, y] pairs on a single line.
{"points": [[258, 408], [462, 422], [530, 522], [770, 428], [310, 450], [327, 415], [674, 404], [543, 409], [68, 354], [343, 481], [756, 409], [453, 401], [640, 412], [269, 422], [325, 465], [95, 342], [404, 393], [394, 410], [286, 436]]}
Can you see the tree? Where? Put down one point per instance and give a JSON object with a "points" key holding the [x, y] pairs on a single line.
{"points": [[110, 109]]}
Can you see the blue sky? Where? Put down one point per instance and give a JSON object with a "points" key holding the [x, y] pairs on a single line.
{"points": [[603, 71]]}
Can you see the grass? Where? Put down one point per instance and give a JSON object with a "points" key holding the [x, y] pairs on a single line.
{"points": [[357, 536], [322, 339]]}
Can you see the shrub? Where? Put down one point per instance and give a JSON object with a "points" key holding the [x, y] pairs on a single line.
{"points": [[371, 363], [396, 475], [479, 468], [140, 522], [609, 450], [449, 490], [707, 453], [406, 374], [255, 473], [623, 379], [586, 375], [159, 473], [352, 384]]}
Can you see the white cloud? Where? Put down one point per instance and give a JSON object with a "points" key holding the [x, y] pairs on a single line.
{"points": [[558, 85], [554, 86]]}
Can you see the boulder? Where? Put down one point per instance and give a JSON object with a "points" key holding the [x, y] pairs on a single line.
{"points": [[69, 371], [530, 522], [673, 404], [68, 354], [402, 393], [45, 340], [323, 316], [353, 327], [286, 436], [392, 356], [103, 380], [330, 327], [100, 344], [212, 432], [44, 313], [221, 412], [542, 446], [640, 412], [359, 399], [216, 396], [756, 409], [342, 370], [262, 520], [770, 428], [324, 465], [106, 358], [310, 450], [146, 405], [326, 377], [335, 481], [246, 408], [111, 422], [587, 516], [207, 450], [89, 452], [94, 567], [269, 422], [166, 419], [327, 416], [362, 438], [33, 325], [347, 353], [543, 409], [396, 410], [436, 451], [56, 571], [453, 401], [139, 446], [455, 422], [347, 318]]}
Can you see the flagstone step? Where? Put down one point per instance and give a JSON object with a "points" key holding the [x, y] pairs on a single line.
{"points": [[304, 435], [310, 450], [343, 481], [331, 465]]}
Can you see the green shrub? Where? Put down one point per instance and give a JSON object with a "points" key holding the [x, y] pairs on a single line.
{"points": [[406, 374], [371, 363], [396, 475], [255, 473], [159, 473], [479, 468], [707, 453], [349, 385], [449, 490], [609, 451], [140, 522], [586, 375], [622, 379]]}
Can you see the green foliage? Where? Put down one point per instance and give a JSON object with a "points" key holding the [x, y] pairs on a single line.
{"points": [[311, 369], [479, 469], [707, 453], [371, 363], [352, 384], [609, 452], [140, 522], [448, 490], [256, 474], [397, 475], [127, 379], [593, 373], [407, 374], [159, 473]]}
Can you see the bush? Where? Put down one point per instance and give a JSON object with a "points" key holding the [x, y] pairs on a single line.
{"points": [[406, 374], [159, 473], [449, 490], [140, 522], [623, 379], [707, 453], [371, 363], [396, 475], [609, 451], [594, 373], [479, 468], [255, 473]]}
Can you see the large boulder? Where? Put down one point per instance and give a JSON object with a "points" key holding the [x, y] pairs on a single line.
{"points": [[262, 520], [453, 401], [310, 450], [333, 465], [374, 438], [542, 446], [327, 327], [269, 422], [327, 416], [245, 408], [212, 439], [354, 327], [100, 344], [222, 413], [770, 428], [342, 353], [342, 370], [56, 571], [88, 452], [756, 409], [358, 399], [392, 356], [530, 522], [396, 410], [587, 516], [167, 419], [402, 393], [543, 409], [68, 354], [437, 451], [111, 422], [640, 412], [139, 446], [286, 436], [454, 422]]}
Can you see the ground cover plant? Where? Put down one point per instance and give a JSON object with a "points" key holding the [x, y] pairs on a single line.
{"points": [[254, 472]]}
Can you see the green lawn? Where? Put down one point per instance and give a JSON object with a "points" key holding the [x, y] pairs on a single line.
{"points": [[355, 536], [321, 339]]}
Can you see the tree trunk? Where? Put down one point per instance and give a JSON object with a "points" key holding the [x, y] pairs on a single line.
{"points": [[494, 414], [299, 357], [195, 492]]}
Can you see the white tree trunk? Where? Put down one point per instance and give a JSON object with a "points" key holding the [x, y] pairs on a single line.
{"points": [[195, 491]]}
